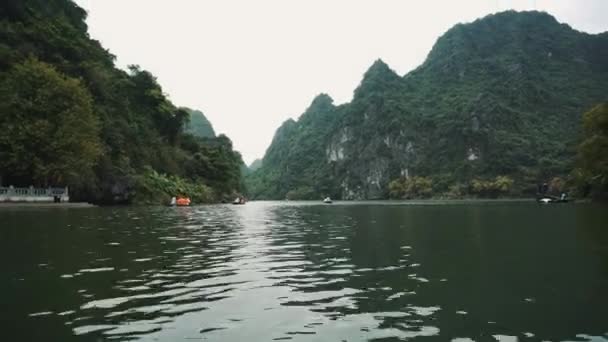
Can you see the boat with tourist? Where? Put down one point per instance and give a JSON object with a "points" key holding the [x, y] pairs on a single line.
{"points": [[180, 201]]}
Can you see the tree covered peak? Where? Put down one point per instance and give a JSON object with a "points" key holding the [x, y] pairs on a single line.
{"points": [[379, 69], [321, 100], [495, 103], [320, 105], [379, 77], [529, 33], [285, 127]]}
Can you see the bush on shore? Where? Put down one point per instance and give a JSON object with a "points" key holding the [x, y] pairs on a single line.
{"points": [[154, 188]]}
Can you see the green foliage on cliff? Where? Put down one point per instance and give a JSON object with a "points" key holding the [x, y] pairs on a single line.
{"points": [[501, 185], [213, 161], [49, 131], [256, 164], [593, 152], [497, 97], [154, 188], [70, 117], [407, 188], [292, 162]]}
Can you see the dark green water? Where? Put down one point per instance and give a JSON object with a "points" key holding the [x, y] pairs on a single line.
{"points": [[300, 272]]}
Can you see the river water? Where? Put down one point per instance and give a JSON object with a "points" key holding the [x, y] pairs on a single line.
{"points": [[274, 271]]}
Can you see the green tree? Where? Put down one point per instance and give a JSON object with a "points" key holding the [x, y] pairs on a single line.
{"points": [[213, 161], [413, 187], [593, 151], [501, 185], [49, 131]]}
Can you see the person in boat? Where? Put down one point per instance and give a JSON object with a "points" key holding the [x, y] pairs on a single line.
{"points": [[182, 201]]}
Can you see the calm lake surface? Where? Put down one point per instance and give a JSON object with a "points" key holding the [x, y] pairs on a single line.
{"points": [[273, 271]]}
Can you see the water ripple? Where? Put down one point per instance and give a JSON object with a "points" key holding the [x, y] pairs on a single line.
{"points": [[276, 271]]}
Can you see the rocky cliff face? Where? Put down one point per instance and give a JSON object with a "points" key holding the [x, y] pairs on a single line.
{"points": [[500, 96]]}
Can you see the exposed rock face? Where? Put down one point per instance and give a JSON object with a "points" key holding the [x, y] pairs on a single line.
{"points": [[471, 156], [489, 100], [335, 154], [335, 149]]}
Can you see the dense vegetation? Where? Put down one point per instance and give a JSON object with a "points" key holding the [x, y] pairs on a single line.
{"points": [[592, 174], [49, 131], [68, 116], [494, 110]]}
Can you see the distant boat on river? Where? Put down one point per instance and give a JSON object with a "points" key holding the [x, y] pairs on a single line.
{"points": [[547, 199], [239, 200]]}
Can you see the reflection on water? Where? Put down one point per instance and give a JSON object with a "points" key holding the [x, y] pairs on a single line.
{"points": [[301, 272]]}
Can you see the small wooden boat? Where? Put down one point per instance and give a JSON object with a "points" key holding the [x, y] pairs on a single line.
{"points": [[180, 202], [239, 200], [546, 199]]}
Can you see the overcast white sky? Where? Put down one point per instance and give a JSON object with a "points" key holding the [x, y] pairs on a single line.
{"points": [[250, 65]]}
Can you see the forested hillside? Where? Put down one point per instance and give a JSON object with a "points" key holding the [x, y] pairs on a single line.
{"points": [[592, 171], [256, 164], [494, 110], [68, 116]]}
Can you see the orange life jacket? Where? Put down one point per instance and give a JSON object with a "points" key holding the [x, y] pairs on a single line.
{"points": [[183, 201]]}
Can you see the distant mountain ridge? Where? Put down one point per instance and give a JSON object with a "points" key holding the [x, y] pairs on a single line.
{"points": [[199, 125], [256, 164], [502, 95]]}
